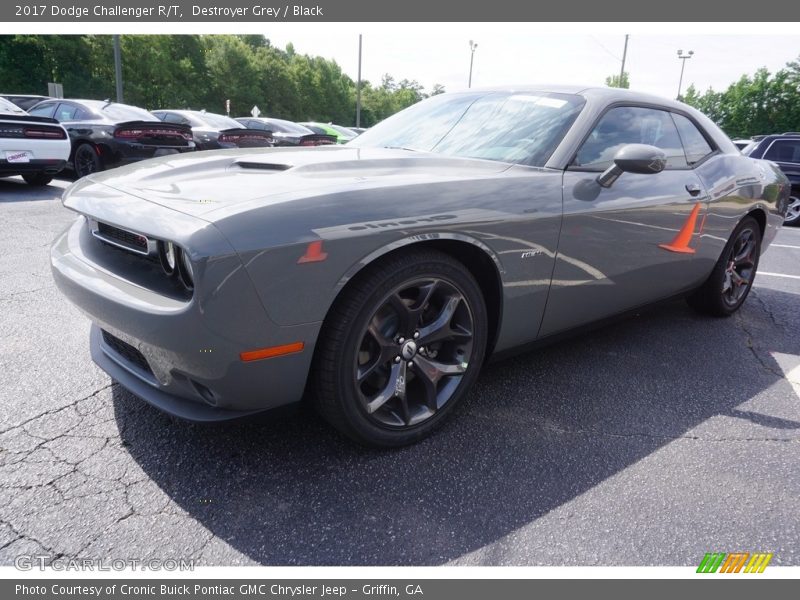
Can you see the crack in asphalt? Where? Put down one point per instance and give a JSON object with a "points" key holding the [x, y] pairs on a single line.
{"points": [[96, 485], [58, 409], [750, 344], [14, 294]]}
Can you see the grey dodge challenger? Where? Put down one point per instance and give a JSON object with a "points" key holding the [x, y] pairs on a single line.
{"points": [[376, 278]]}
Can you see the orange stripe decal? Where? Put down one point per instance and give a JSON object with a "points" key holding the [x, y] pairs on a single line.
{"points": [[272, 351]]}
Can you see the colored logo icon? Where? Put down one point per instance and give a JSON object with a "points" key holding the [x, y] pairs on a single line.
{"points": [[734, 562]]}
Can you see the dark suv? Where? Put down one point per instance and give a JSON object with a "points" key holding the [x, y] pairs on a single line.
{"points": [[783, 149]]}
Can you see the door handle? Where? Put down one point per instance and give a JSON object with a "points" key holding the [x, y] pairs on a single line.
{"points": [[693, 189]]}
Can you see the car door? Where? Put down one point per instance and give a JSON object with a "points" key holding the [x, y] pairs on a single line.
{"points": [[626, 245]]}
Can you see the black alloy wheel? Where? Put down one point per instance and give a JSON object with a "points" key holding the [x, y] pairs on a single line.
{"points": [[732, 278], [413, 353], [86, 160], [741, 268], [400, 348], [793, 210]]}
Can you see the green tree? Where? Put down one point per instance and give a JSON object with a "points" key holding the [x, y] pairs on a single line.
{"points": [[759, 104], [201, 72], [615, 81], [233, 74]]}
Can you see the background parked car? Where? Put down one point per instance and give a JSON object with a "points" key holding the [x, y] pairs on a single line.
{"points": [[783, 149], [24, 101], [742, 143], [105, 134], [35, 147], [213, 132], [288, 133], [342, 134]]}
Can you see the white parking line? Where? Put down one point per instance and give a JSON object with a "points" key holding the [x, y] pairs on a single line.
{"points": [[785, 246], [778, 275]]}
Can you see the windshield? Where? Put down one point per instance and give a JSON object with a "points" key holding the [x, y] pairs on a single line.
{"points": [[9, 107], [518, 128], [215, 121]]}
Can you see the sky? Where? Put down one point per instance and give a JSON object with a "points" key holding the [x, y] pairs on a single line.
{"points": [[527, 53]]}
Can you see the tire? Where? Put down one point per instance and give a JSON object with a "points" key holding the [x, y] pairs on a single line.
{"points": [[793, 209], [86, 161], [361, 387], [37, 179], [730, 282]]}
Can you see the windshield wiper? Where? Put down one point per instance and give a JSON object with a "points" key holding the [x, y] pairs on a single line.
{"points": [[401, 148]]}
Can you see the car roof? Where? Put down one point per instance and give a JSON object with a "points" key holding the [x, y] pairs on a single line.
{"points": [[599, 93]]}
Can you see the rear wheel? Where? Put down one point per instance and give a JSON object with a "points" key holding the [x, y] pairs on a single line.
{"points": [[37, 179], [86, 160], [732, 278], [793, 210], [400, 348]]}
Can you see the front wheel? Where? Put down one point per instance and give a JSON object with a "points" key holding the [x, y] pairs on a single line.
{"points": [[732, 278], [400, 349]]}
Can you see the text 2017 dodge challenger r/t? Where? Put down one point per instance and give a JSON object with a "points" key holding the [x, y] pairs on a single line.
{"points": [[380, 275]]}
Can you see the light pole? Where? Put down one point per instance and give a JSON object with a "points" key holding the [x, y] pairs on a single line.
{"points": [[118, 68], [358, 89], [472, 46], [624, 56], [683, 58]]}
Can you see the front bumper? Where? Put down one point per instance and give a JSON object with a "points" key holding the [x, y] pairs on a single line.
{"points": [[191, 346]]}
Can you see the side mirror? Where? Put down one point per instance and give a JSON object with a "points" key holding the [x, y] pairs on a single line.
{"points": [[634, 158]]}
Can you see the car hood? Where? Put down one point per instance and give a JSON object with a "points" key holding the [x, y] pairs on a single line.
{"points": [[200, 184]]}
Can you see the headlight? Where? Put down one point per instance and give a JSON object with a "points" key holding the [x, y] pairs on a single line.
{"points": [[168, 255], [185, 271]]}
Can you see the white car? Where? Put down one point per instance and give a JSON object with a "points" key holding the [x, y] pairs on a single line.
{"points": [[35, 147]]}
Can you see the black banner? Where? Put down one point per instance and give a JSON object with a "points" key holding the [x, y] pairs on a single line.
{"points": [[194, 11], [405, 589]]}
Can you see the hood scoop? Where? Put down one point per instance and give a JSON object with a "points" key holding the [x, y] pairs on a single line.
{"points": [[262, 166]]}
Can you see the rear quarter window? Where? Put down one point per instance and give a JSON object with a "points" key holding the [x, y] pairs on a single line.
{"points": [[694, 142]]}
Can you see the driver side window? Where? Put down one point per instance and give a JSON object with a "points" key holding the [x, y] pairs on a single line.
{"points": [[630, 125]]}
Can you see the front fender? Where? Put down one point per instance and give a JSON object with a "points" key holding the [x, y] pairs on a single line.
{"points": [[410, 241]]}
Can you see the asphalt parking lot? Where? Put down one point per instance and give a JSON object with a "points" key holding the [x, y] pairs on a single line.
{"points": [[649, 442]]}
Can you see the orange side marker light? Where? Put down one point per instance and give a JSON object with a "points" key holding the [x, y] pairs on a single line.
{"points": [[313, 253], [272, 351], [681, 242]]}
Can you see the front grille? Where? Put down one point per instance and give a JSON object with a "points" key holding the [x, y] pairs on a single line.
{"points": [[128, 239], [126, 351]]}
